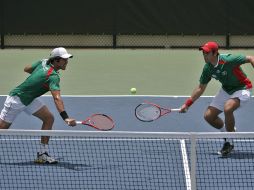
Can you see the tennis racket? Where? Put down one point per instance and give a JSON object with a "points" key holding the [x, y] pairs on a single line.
{"points": [[148, 111], [98, 121]]}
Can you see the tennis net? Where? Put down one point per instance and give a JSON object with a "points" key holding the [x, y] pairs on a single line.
{"points": [[126, 160]]}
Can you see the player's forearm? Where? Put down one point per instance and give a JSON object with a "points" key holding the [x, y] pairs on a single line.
{"points": [[197, 92], [59, 104], [58, 100]]}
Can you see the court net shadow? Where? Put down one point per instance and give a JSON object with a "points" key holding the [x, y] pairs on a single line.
{"points": [[61, 164], [237, 155]]}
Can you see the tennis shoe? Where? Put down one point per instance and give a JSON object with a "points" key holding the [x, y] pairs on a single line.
{"points": [[226, 149], [44, 158]]}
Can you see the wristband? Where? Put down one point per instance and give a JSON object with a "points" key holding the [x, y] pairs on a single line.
{"points": [[64, 115], [188, 102]]}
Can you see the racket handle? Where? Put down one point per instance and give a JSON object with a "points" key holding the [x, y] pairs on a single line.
{"points": [[176, 109], [78, 122]]}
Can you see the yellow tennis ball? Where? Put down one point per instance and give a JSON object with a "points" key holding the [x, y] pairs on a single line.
{"points": [[133, 90]]}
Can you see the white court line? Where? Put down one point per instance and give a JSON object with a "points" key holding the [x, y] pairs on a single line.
{"points": [[120, 139], [112, 96], [186, 165], [118, 96], [91, 139]]}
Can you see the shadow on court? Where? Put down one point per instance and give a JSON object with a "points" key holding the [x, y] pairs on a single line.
{"points": [[61, 164], [236, 155]]}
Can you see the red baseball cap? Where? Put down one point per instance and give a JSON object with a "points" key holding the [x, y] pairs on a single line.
{"points": [[209, 46]]}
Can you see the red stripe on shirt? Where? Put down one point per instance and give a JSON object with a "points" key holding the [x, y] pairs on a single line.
{"points": [[45, 85], [221, 62], [241, 77]]}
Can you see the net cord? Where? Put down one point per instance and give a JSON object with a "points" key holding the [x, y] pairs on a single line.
{"points": [[131, 134]]}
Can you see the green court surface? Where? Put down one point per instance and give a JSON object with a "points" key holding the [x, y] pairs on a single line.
{"points": [[114, 72]]}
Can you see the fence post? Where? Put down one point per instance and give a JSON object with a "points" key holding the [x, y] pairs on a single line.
{"points": [[114, 41], [227, 40], [2, 24]]}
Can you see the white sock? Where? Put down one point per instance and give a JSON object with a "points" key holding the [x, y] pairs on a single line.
{"points": [[44, 148]]}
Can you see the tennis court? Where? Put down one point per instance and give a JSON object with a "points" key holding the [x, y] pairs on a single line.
{"points": [[120, 161]]}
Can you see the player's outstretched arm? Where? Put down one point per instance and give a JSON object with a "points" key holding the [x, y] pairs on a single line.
{"points": [[60, 107], [197, 92]]}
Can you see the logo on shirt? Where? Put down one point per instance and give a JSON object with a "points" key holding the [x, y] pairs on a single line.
{"points": [[214, 76], [224, 73], [219, 73]]}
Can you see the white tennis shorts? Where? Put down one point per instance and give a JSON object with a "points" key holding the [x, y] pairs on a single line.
{"points": [[13, 106], [221, 97]]}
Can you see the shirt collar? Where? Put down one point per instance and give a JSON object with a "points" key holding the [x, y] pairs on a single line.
{"points": [[217, 62]]}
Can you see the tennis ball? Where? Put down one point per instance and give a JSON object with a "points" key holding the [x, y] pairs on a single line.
{"points": [[133, 90]]}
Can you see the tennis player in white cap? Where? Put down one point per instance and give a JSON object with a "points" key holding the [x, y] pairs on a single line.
{"points": [[43, 77]]}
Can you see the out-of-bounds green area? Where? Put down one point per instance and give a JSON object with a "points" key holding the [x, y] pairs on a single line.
{"points": [[114, 72]]}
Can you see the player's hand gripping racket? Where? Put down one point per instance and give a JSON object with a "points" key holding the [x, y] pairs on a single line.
{"points": [[99, 121], [148, 111]]}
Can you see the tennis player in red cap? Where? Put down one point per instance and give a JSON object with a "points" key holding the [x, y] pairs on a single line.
{"points": [[234, 93]]}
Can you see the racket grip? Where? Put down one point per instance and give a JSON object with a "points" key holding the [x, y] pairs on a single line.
{"points": [[176, 109], [78, 122]]}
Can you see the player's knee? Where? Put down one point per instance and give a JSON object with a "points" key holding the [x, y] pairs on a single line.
{"points": [[207, 117], [228, 110], [49, 118], [4, 125], [231, 105]]}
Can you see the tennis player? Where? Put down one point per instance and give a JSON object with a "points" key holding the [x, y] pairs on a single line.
{"points": [[234, 93], [43, 77]]}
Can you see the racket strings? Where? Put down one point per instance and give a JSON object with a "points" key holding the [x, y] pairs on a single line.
{"points": [[102, 122], [148, 112]]}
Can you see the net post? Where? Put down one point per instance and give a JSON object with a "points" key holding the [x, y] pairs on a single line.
{"points": [[193, 161]]}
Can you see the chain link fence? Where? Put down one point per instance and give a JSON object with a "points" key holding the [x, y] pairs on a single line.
{"points": [[123, 41]]}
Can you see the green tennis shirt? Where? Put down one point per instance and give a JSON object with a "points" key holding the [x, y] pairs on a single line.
{"points": [[228, 72], [42, 79]]}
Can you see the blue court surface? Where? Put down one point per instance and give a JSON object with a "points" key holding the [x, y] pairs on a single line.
{"points": [[127, 163], [121, 109]]}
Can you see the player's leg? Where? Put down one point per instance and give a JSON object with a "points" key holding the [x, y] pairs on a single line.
{"points": [[215, 108], [48, 119], [230, 106], [237, 99], [211, 116], [39, 110]]}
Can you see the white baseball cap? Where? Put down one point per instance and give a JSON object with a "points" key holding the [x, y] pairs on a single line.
{"points": [[60, 52]]}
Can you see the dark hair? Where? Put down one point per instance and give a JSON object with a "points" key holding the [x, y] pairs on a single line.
{"points": [[215, 51], [52, 59]]}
